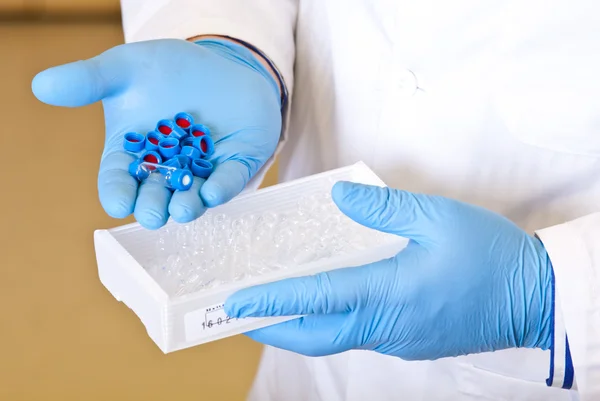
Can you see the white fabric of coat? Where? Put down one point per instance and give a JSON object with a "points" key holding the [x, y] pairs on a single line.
{"points": [[496, 103]]}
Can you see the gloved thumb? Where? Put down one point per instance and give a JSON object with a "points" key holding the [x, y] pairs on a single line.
{"points": [[409, 215], [82, 82]]}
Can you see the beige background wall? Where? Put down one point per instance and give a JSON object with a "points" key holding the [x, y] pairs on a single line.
{"points": [[68, 6], [62, 335]]}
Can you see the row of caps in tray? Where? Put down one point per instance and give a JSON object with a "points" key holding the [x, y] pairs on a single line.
{"points": [[174, 152]]}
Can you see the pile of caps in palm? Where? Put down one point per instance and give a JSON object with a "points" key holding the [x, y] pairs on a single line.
{"points": [[176, 149]]}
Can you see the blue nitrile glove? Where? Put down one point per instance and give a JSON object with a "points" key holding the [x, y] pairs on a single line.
{"points": [[469, 281], [217, 81]]}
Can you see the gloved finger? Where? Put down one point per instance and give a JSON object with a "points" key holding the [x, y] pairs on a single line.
{"points": [[226, 181], [82, 82], [152, 203], [389, 210], [186, 206], [238, 156], [336, 291], [316, 335], [117, 189]]}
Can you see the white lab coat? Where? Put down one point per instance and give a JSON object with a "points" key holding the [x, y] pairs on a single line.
{"points": [[496, 103]]}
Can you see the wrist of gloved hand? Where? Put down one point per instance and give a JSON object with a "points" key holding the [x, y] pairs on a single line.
{"points": [[238, 52], [264, 60]]}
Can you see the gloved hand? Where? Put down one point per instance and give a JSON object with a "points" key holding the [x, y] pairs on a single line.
{"points": [[217, 81], [469, 281]]}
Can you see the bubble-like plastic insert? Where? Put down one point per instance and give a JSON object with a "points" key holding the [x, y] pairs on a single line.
{"points": [[217, 249]]}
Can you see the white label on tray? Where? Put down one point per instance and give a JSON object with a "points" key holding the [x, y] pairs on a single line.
{"points": [[210, 321]]}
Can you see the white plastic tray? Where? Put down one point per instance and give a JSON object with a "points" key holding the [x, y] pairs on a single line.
{"points": [[178, 322]]}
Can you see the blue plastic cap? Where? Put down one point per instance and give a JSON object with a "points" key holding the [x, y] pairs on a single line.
{"points": [[184, 121], [169, 147], [174, 162], [133, 168], [201, 168], [136, 170], [184, 161], [180, 179], [187, 141], [178, 133], [197, 130], [165, 127], [190, 152], [153, 138], [205, 145], [134, 142], [170, 129], [151, 156]]}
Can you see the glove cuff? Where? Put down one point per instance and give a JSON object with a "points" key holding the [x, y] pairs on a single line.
{"points": [[282, 85], [243, 50]]}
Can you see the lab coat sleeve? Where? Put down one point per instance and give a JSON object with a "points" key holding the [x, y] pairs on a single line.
{"points": [[267, 25], [574, 250]]}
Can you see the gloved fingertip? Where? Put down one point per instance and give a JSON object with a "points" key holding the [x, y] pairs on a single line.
{"points": [[213, 194], [117, 198], [342, 190], [118, 209], [42, 85], [238, 305], [226, 181], [70, 85], [183, 214], [150, 219], [231, 309]]}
